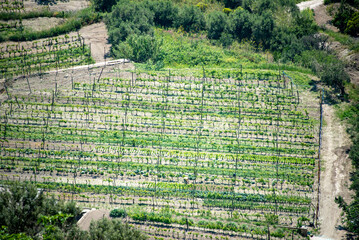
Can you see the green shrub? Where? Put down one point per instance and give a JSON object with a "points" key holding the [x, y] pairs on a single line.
{"points": [[279, 233], [190, 18], [231, 226], [127, 19], [216, 24], [118, 213], [342, 17], [139, 49], [353, 25], [103, 5], [202, 224], [165, 12], [113, 229], [241, 23], [203, 6], [335, 76]]}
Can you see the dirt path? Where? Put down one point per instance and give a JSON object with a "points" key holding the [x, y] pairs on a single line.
{"points": [[310, 4], [96, 35], [93, 215], [322, 18], [334, 175]]}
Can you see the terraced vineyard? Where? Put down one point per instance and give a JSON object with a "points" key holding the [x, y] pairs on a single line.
{"points": [[41, 56], [11, 6], [233, 155]]}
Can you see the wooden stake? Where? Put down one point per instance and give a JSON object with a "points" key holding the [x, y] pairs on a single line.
{"points": [[7, 93], [28, 83]]}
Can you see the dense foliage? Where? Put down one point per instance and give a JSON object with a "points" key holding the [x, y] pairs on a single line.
{"points": [[26, 213], [25, 209], [346, 18], [292, 36], [254, 20], [113, 230]]}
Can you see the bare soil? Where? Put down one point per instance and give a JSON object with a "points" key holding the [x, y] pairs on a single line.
{"points": [[96, 36], [322, 18], [334, 175], [93, 215], [42, 23], [310, 4]]}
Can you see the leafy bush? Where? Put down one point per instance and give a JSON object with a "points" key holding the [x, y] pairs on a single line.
{"points": [[202, 224], [279, 233], [232, 3], [353, 25], [185, 221], [139, 49], [354, 3], [127, 19], [262, 29], [118, 213], [103, 5], [231, 226], [335, 76], [165, 12], [113, 229], [241, 23], [305, 23], [190, 18], [25, 210], [342, 17], [216, 24]]}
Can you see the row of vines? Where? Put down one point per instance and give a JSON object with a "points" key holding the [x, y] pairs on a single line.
{"points": [[41, 56]]}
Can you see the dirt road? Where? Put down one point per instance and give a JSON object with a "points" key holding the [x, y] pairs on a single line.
{"points": [[93, 215], [310, 4], [96, 36], [334, 175]]}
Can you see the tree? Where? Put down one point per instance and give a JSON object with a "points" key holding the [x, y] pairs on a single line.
{"points": [[334, 75], [343, 16], [216, 24], [127, 19], [262, 29], [351, 211], [25, 209], [139, 48], [241, 22], [165, 12], [190, 18], [103, 5], [232, 3], [305, 23], [16, 201], [353, 25]]}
